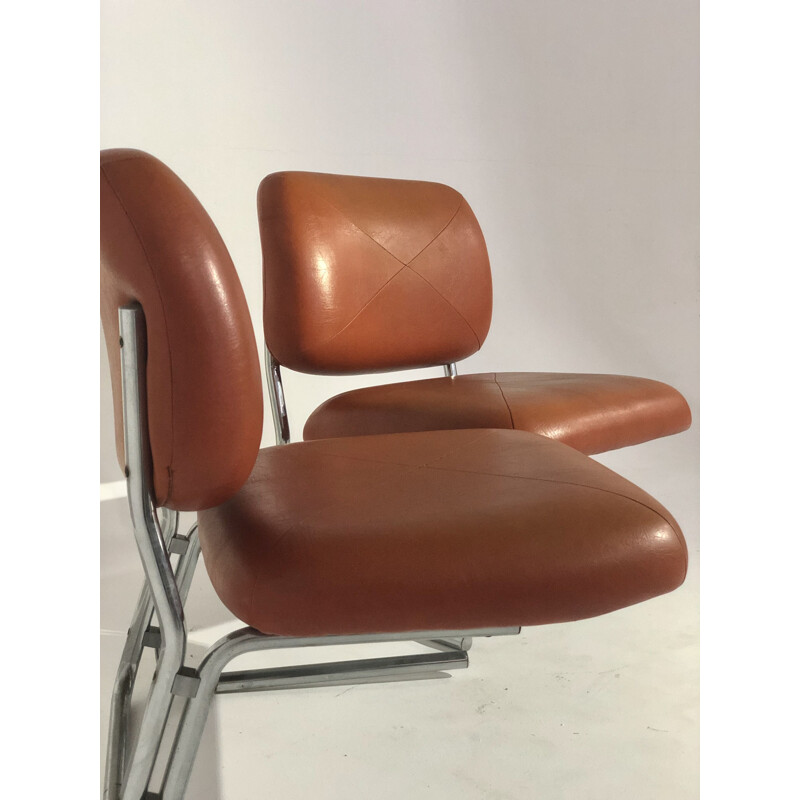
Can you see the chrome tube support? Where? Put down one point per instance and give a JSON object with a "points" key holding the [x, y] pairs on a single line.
{"points": [[137, 766], [119, 719], [135, 642], [277, 401], [450, 370]]}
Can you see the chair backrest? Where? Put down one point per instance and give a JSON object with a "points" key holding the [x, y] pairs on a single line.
{"points": [[370, 274], [159, 248]]}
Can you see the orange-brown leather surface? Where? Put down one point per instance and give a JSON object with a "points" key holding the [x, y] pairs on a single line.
{"points": [[438, 530], [159, 248], [370, 274], [592, 413]]}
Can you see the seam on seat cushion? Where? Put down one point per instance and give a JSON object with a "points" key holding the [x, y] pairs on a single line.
{"points": [[411, 467], [482, 435], [258, 577], [503, 395], [407, 467], [516, 477], [553, 480]]}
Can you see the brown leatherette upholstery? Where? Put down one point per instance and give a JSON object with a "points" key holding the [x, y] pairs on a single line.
{"points": [[592, 413], [370, 274], [159, 248], [439, 530]]}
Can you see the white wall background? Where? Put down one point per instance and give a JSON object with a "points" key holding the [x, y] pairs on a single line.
{"points": [[571, 126]]}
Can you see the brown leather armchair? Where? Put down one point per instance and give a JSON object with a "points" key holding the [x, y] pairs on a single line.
{"points": [[433, 537], [369, 275]]}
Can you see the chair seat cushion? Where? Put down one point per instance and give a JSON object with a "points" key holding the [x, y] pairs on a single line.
{"points": [[433, 531], [592, 413]]}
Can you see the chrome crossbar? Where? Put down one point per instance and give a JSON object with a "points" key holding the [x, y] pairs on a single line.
{"points": [[340, 672]]}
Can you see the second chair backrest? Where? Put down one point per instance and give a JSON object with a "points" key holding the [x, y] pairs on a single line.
{"points": [[370, 274]]}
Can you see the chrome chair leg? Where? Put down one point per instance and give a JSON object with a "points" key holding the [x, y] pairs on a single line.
{"points": [[152, 541], [119, 720], [135, 642], [140, 635]]}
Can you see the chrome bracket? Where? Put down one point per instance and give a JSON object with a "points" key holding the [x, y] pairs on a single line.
{"points": [[186, 683], [179, 544], [152, 637], [277, 401]]}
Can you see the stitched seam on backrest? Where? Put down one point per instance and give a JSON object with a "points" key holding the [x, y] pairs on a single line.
{"points": [[446, 226], [389, 280], [360, 310], [358, 227], [477, 338]]}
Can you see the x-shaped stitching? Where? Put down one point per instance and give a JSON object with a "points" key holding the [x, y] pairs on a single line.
{"points": [[405, 265]]}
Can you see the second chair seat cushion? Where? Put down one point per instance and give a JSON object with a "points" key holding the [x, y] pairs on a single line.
{"points": [[435, 531], [592, 413]]}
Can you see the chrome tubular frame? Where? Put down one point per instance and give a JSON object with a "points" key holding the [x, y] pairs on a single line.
{"points": [[210, 679], [129, 769], [277, 401], [129, 772]]}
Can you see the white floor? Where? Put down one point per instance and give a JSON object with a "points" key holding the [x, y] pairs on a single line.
{"points": [[600, 709]]}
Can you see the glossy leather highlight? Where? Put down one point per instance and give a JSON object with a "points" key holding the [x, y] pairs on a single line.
{"points": [[370, 274], [592, 413], [158, 247], [438, 530]]}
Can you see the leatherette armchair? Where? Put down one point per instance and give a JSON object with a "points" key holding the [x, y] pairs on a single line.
{"points": [[370, 274], [432, 537]]}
